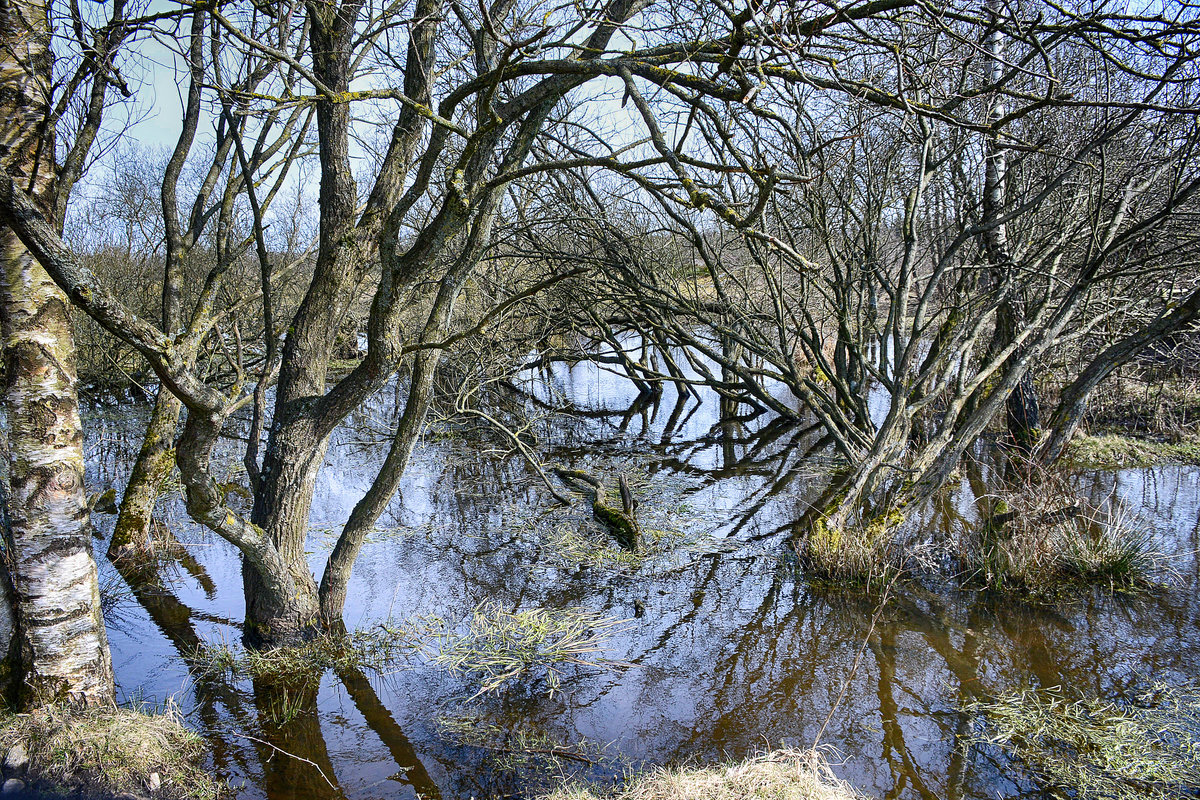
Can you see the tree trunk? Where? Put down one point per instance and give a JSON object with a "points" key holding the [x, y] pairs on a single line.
{"points": [[155, 460], [1023, 414], [1022, 404], [281, 509], [8, 622], [288, 617], [297, 438], [62, 647]]}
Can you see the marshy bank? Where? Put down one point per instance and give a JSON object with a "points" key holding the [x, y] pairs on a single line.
{"points": [[104, 753], [725, 643]]}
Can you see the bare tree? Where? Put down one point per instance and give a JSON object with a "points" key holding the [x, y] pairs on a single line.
{"points": [[754, 139], [905, 234], [500, 89]]}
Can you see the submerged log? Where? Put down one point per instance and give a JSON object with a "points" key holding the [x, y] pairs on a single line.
{"points": [[620, 523]]}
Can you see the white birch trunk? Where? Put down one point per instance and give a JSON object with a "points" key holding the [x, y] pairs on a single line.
{"points": [[62, 648], [7, 621]]}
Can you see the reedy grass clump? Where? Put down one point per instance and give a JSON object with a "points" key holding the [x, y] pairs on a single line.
{"points": [[1092, 748], [869, 551], [492, 646], [111, 750], [669, 524], [519, 747], [850, 556], [495, 647], [1040, 536], [1037, 536], [576, 545], [778, 775]]}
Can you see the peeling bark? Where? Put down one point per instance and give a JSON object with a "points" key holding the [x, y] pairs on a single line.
{"points": [[8, 623], [63, 648], [61, 644]]}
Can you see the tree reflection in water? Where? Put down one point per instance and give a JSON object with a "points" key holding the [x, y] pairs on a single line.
{"points": [[733, 650]]}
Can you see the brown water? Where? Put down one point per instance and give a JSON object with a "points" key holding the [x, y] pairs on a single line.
{"points": [[731, 650]]}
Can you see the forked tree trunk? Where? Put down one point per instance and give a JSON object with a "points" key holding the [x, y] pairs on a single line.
{"points": [[62, 648]]}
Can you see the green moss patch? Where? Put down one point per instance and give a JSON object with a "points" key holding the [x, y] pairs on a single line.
{"points": [[1111, 451]]}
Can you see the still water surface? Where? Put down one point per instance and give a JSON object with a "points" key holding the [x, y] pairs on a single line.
{"points": [[731, 650]]}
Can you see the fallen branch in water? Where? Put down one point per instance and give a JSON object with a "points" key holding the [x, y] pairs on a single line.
{"points": [[621, 523]]}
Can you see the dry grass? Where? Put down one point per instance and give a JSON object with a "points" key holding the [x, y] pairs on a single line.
{"points": [[1042, 535], [106, 751], [869, 555], [1164, 404], [671, 526], [850, 557], [778, 775], [1092, 748], [492, 647]]}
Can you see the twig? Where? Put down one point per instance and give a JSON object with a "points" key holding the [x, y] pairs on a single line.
{"points": [[278, 749], [857, 660], [522, 448]]}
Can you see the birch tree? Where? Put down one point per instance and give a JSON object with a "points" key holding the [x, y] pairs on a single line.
{"points": [[61, 647]]}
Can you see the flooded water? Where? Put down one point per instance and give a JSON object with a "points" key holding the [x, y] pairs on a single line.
{"points": [[729, 648]]}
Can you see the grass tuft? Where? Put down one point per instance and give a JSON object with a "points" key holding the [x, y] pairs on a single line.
{"points": [[520, 747], [849, 557], [495, 647], [867, 555], [1040, 536], [778, 775], [492, 646], [112, 750], [1091, 748], [576, 545]]}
